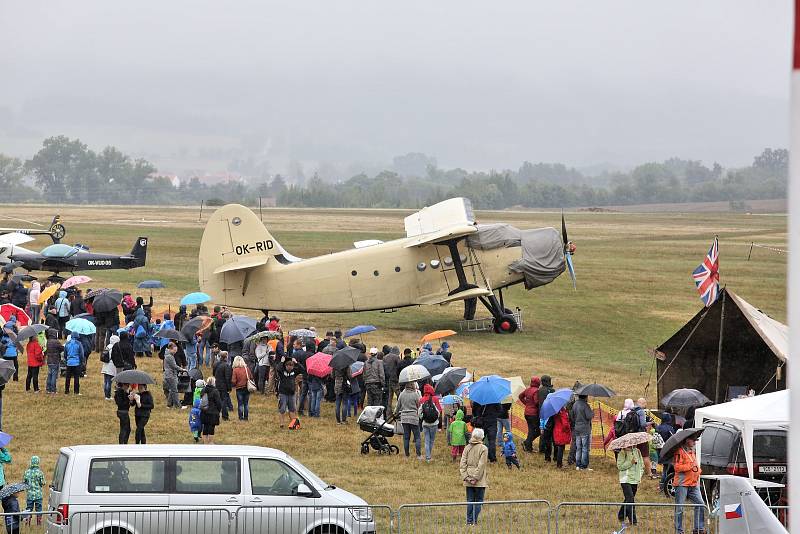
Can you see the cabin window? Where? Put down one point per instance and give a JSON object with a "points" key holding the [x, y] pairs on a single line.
{"points": [[397, 269], [354, 273], [375, 273]]}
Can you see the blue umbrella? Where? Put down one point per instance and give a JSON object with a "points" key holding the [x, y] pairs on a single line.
{"points": [[452, 399], [5, 439], [554, 402], [356, 369], [151, 284], [81, 326], [463, 389], [434, 363], [490, 390], [195, 298], [360, 329]]}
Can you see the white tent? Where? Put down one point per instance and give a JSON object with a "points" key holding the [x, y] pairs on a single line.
{"points": [[748, 415]]}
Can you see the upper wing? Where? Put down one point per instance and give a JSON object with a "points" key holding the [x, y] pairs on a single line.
{"points": [[445, 234]]}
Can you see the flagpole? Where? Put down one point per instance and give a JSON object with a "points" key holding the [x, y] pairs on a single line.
{"points": [[719, 349]]}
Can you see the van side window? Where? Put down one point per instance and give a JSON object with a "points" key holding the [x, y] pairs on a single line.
{"points": [[207, 475], [127, 475], [273, 477], [58, 474]]}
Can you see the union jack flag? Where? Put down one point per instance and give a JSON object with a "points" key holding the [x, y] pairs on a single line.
{"points": [[706, 276]]}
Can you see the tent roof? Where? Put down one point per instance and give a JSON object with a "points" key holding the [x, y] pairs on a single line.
{"points": [[768, 408], [774, 333]]}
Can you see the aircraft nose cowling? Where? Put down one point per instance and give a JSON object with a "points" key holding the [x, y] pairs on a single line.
{"points": [[542, 257]]}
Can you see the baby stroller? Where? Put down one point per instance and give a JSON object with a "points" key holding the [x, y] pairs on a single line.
{"points": [[371, 420]]}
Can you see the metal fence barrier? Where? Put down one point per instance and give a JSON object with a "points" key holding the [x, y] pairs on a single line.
{"points": [[316, 519], [28, 522], [519, 517], [782, 513], [655, 518], [151, 521]]}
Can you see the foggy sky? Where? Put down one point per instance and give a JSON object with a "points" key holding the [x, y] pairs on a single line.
{"points": [[475, 84]]}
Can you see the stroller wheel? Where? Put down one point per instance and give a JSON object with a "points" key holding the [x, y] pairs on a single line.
{"points": [[394, 449], [364, 448]]}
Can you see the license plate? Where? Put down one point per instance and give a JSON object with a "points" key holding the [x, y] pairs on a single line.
{"points": [[771, 469]]}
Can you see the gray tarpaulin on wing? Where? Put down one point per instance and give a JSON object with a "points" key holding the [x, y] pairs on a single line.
{"points": [[491, 236]]}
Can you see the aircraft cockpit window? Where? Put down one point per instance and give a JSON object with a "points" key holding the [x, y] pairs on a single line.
{"points": [[59, 251]]}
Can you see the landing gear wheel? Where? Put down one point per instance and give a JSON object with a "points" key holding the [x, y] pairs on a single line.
{"points": [[394, 449], [364, 448], [505, 324]]}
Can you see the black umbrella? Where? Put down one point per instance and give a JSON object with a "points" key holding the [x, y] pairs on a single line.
{"points": [[107, 301], [684, 398], [676, 440], [170, 333], [345, 357], [134, 376], [30, 331], [150, 284], [595, 390], [6, 370], [192, 326], [11, 266], [434, 363], [94, 292], [23, 278], [450, 380]]}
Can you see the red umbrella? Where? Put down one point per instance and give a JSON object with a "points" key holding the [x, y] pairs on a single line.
{"points": [[317, 365], [9, 310]]}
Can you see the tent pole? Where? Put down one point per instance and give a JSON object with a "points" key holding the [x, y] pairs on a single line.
{"points": [[602, 431], [719, 349]]}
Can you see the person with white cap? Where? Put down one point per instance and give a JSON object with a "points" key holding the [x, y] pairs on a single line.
{"points": [[374, 378]]}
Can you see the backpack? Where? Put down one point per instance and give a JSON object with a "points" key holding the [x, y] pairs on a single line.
{"points": [[105, 357], [628, 425], [429, 412]]}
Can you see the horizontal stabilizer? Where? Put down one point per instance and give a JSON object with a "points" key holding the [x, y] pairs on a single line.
{"points": [[240, 265]]}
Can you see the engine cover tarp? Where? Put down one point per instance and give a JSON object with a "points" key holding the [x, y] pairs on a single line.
{"points": [[491, 236], [542, 257]]}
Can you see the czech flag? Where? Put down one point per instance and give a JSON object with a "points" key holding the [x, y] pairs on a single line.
{"points": [[733, 511]]}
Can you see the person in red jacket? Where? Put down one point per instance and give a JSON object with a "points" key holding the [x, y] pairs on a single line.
{"points": [[35, 361], [562, 436], [530, 399]]}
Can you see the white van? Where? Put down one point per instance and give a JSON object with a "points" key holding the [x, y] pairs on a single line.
{"points": [[163, 489]]}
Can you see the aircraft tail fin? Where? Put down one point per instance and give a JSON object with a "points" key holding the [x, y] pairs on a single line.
{"points": [[139, 251]]}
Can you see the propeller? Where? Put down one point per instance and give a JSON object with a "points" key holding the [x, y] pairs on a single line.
{"points": [[567, 253]]}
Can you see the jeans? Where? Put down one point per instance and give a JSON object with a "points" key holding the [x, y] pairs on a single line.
{"points": [[73, 372], [407, 431], [315, 401], [227, 404], [341, 407], [141, 421], [430, 437], [558, 454], [692, 494], [107, 385], [243, 403], [52, 377], [191, 360], [353, 403], [32, 379], [207, 349], [491, 437], [473, 510], [124, 427], [628, 512], [572, 450], [582, 446], [533, 431], [261, 377], [34, 312], [503, 425]]}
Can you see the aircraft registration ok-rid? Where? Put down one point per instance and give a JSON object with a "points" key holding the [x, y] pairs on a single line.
{"points": [[445, 257]]}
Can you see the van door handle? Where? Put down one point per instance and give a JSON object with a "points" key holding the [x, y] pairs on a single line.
{"points": [[256, 499], [233, 499]]}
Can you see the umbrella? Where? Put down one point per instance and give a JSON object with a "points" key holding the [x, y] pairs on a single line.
{"points": [[356, 369], [490, 390], [517, 387], [6, 370], [193, 326], [676, 440], [595, 390], [554, 402], [452, 399], [9, 268], [151, 284], [413, 373], [450, 380], [106, 301], [81, 326], [303, 332], [23, 278], [134, 376], [237, 328], [344, 357], [48, 292], [434, 363], [360, 329], [267, 334], [75, 280], [12, 489], [319, 365], [684, 398], [630, 440], [195, 298], [30, 331], [88, 316], [9, 310], [170, 333], [5, 439], [438, 334], [463, 389], [94, 292]]}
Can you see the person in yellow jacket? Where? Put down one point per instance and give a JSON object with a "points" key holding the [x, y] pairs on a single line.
{"points": [[687, 486]]}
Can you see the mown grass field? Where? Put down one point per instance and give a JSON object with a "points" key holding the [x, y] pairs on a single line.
{"points": [[634, 290]]}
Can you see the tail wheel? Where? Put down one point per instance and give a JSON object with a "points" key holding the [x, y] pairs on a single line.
{"points": [[364, 448], [395, 449], [505, 324]]}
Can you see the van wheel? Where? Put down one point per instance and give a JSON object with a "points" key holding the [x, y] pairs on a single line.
{"points": [[328, 529], [114, 530]]}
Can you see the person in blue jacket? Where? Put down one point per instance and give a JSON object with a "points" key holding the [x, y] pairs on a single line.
{"points": [[74, 353]]}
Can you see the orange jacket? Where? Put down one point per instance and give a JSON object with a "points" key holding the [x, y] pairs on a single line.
{"points": [[687, 470]]}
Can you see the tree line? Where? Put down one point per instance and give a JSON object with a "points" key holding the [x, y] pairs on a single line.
{"points": [[66, 170]]}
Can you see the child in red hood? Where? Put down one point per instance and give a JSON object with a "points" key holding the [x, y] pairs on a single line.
{"points": [[529, 397], [562, 435]]}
